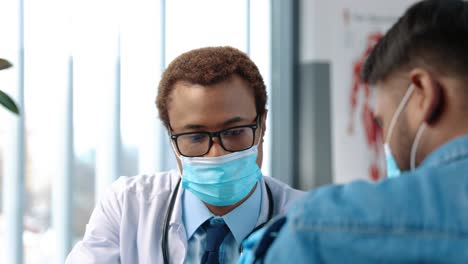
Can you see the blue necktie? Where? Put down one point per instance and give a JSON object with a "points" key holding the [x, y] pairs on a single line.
{"points": [[216, 231]]}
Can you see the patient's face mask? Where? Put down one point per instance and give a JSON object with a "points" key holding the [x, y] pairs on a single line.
{"points": [[392, 166]]}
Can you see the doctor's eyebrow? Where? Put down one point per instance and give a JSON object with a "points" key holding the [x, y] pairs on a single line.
{"points": [[194, 127], [234, 120], [231, 121]]}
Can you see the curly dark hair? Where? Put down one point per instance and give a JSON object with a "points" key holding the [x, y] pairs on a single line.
{"points": [[208, 66]]}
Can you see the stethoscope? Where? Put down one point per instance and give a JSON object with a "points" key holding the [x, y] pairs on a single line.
{"points": [[168, 216]]}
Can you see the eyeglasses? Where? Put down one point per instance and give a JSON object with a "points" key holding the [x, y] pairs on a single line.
{"points": [[234, 139]]}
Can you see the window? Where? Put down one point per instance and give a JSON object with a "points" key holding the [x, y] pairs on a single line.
{"points": [[91, 70]]}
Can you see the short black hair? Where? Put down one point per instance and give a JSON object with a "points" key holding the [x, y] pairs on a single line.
{"points": [[431, 33]]}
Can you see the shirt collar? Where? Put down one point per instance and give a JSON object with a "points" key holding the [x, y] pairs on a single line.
{"points": [[241, 221], [453, 150], [194, 214]]}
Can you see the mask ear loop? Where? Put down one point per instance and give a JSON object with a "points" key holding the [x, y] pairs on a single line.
{"points": [[397, 113], [414, 147], [260, 139], [175, 150], [177, 155], [260, 129]]}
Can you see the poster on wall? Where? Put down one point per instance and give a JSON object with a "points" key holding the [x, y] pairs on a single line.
{"points": [[357, 141]]}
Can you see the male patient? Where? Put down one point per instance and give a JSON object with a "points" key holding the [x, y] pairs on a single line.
{"points": [[420, 70], [212, 102]]}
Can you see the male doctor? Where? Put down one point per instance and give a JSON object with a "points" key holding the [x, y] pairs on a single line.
{"points": [[212, 102]]}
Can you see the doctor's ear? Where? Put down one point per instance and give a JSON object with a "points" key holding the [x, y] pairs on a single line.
{"points": [[263, 123]]}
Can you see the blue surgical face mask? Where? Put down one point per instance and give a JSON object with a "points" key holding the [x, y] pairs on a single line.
{"points": [[392, 167], [223, 180]]}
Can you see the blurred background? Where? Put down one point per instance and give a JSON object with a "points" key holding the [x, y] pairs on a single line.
{"points": [[85, 77]]}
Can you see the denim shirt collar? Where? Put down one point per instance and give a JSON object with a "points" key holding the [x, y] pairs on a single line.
{"points": [[454, 150]]}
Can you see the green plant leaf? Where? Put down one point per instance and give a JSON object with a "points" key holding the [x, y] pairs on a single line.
{"points": [[4, 64], [8, 103]]}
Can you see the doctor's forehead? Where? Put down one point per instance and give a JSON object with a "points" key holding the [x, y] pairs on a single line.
{"points": [[218, 105], [212, 124], [233, 94]]}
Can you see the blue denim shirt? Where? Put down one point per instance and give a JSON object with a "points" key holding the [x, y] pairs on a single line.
{"points": [[420, 217]]}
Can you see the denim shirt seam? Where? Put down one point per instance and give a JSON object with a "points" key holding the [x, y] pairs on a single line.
{"points": [[451, 157], [367, 228], [448, 156]]}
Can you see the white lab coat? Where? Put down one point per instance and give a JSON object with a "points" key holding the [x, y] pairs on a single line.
{"points": [[126, 225]]}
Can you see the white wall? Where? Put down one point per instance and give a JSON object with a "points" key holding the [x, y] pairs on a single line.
{"points": [[315, 21], [326, 36]]}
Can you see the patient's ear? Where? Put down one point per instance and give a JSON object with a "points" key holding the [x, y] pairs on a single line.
{"points": [[428, 93]]}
